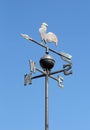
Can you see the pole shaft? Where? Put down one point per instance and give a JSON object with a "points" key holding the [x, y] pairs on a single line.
{"points": [[46, 103]]}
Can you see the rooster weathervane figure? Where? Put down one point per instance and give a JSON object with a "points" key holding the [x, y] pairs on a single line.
{"points": [[47, 37]]}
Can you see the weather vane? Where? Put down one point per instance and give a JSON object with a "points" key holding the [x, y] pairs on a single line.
{"points": [[47, 62]]}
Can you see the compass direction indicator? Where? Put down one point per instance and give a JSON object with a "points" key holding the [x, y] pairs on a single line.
{"points": [[60, 80], [27, 79], [32, 66]]}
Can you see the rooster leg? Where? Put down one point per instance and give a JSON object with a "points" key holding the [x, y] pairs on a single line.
{"points": [[44, 41]]}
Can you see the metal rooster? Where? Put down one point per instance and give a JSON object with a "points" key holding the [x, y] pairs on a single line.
{"points": [[47, 37]]}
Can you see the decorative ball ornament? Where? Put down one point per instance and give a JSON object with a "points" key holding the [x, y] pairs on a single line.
{"points": [[47, 62]]}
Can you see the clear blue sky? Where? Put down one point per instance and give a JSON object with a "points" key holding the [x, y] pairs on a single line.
{"points": [[22, 108]]}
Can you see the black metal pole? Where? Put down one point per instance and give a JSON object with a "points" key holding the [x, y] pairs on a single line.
{"points": [[46, 103]]}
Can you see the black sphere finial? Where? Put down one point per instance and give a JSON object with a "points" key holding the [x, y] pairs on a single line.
{"points": [[47, 62]]}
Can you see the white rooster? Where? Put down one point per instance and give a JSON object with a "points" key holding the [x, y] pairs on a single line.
{"points": [[47, 37]]}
